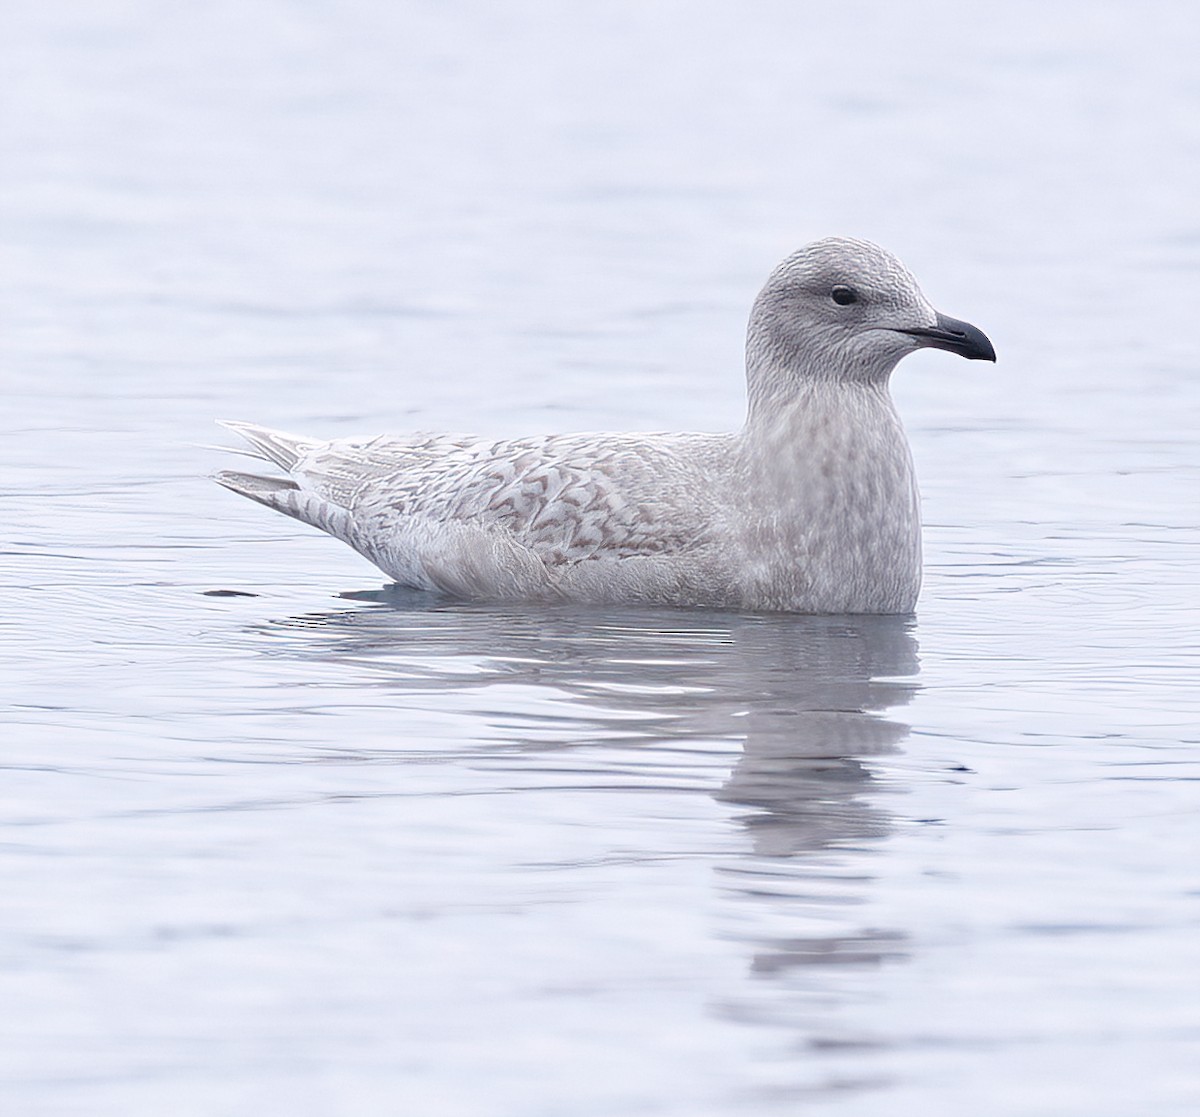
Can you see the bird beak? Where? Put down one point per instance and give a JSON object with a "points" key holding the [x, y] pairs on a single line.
{"points": [[956, 337]]}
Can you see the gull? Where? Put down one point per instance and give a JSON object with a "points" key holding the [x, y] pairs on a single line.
{"points": [[811, 507]]}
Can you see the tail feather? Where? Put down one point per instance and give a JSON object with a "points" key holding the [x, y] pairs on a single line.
{"points": [[289, 498], [290, 495], [266, 490], [284, 449]]}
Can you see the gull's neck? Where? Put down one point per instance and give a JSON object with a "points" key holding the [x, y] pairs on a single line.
{"points": [[794, 378], [781, 406], [829, 496]]}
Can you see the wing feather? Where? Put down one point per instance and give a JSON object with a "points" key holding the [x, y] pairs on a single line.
{"points": [[563, 498]]}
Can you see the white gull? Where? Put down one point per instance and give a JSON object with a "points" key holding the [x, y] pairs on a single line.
{"points": [[812, 507]]}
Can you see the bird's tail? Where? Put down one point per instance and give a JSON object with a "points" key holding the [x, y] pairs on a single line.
{"points": [[284, 449], [284, 494]]}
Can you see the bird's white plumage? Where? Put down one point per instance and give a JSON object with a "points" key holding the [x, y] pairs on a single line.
{"points": [[811, 507]]}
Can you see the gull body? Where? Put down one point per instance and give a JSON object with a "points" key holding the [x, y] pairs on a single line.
{"points": [[812, 506]]}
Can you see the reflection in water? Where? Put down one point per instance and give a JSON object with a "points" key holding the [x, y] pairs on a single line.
{"points": [[791, 708]]}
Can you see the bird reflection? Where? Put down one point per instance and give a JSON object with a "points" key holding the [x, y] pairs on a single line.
{"points": [[798, 704]]}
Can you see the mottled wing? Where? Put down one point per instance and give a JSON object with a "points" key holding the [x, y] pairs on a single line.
{"points": [[567, 498]]}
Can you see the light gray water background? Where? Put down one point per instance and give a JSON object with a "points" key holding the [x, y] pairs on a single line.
{"points": [[333, 850]]}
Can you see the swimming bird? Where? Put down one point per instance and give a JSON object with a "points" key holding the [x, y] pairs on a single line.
{"points": [[811, 507]]}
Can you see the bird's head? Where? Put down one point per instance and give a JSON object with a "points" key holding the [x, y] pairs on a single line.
{"points": [[845, 310]]}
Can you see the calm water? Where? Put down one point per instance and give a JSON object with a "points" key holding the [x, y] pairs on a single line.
{"points": [[329, 849]]}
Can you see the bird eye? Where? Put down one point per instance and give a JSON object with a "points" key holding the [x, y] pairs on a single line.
{"points": [[843, 295]]}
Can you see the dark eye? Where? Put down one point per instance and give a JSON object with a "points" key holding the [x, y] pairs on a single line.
{"points": [[843, 295]]}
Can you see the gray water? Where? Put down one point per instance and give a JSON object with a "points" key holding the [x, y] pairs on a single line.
{"points": [[327, 848]]}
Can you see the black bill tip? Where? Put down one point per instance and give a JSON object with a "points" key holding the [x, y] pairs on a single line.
{"points": [[956, 337]]}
